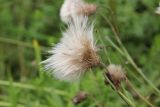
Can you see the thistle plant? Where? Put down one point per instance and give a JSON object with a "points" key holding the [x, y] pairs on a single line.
{"points": [[77, 52], [104, 53]]}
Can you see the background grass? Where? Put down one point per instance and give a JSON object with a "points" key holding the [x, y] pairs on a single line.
{"points": [[28, 28]]}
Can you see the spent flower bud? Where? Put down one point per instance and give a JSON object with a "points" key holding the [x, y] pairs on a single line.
{"points": [[80, 97]]}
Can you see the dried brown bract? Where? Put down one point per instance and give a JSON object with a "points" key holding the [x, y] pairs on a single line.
{"points": [[80, 97]]}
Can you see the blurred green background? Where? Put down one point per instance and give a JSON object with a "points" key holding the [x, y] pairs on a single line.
{"points": [[28, 28]]}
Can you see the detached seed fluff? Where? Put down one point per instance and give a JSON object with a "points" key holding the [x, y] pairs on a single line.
{"points": [[75, 53]]}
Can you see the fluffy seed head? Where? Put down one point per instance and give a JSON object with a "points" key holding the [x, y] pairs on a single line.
{"points": [[75, 53], [72, 8], [115, 74], [158, 10]]}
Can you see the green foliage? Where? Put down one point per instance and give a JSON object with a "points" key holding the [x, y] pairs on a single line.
{"points": [[29, 27]]}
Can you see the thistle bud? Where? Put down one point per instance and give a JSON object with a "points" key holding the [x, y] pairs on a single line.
{"points": [[115, 74], [80, 97]]}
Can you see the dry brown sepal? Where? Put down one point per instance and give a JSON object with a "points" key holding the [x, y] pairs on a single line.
{"points": [[80, 97]]}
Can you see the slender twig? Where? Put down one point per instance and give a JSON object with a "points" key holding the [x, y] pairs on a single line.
{"points": [[129, 102], [135, 90], [141, 73], [129, 58], [105, 50]]}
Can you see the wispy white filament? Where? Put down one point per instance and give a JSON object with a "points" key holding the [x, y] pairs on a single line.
{"points": [[75, 53]]}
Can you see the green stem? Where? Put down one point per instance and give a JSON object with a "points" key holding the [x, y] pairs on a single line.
{"points": [[32, 87], [126, 99], [126, 54], [115, 46], [105, 50], [140, 96], [16, 42], [129, 102], [6, 104], [37, 52], [141, 73], [129, 58]]}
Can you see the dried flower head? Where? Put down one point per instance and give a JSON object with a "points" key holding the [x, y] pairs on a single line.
{"points": [[72, 8], [115, 74], [80, 97], [75, 53]]}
